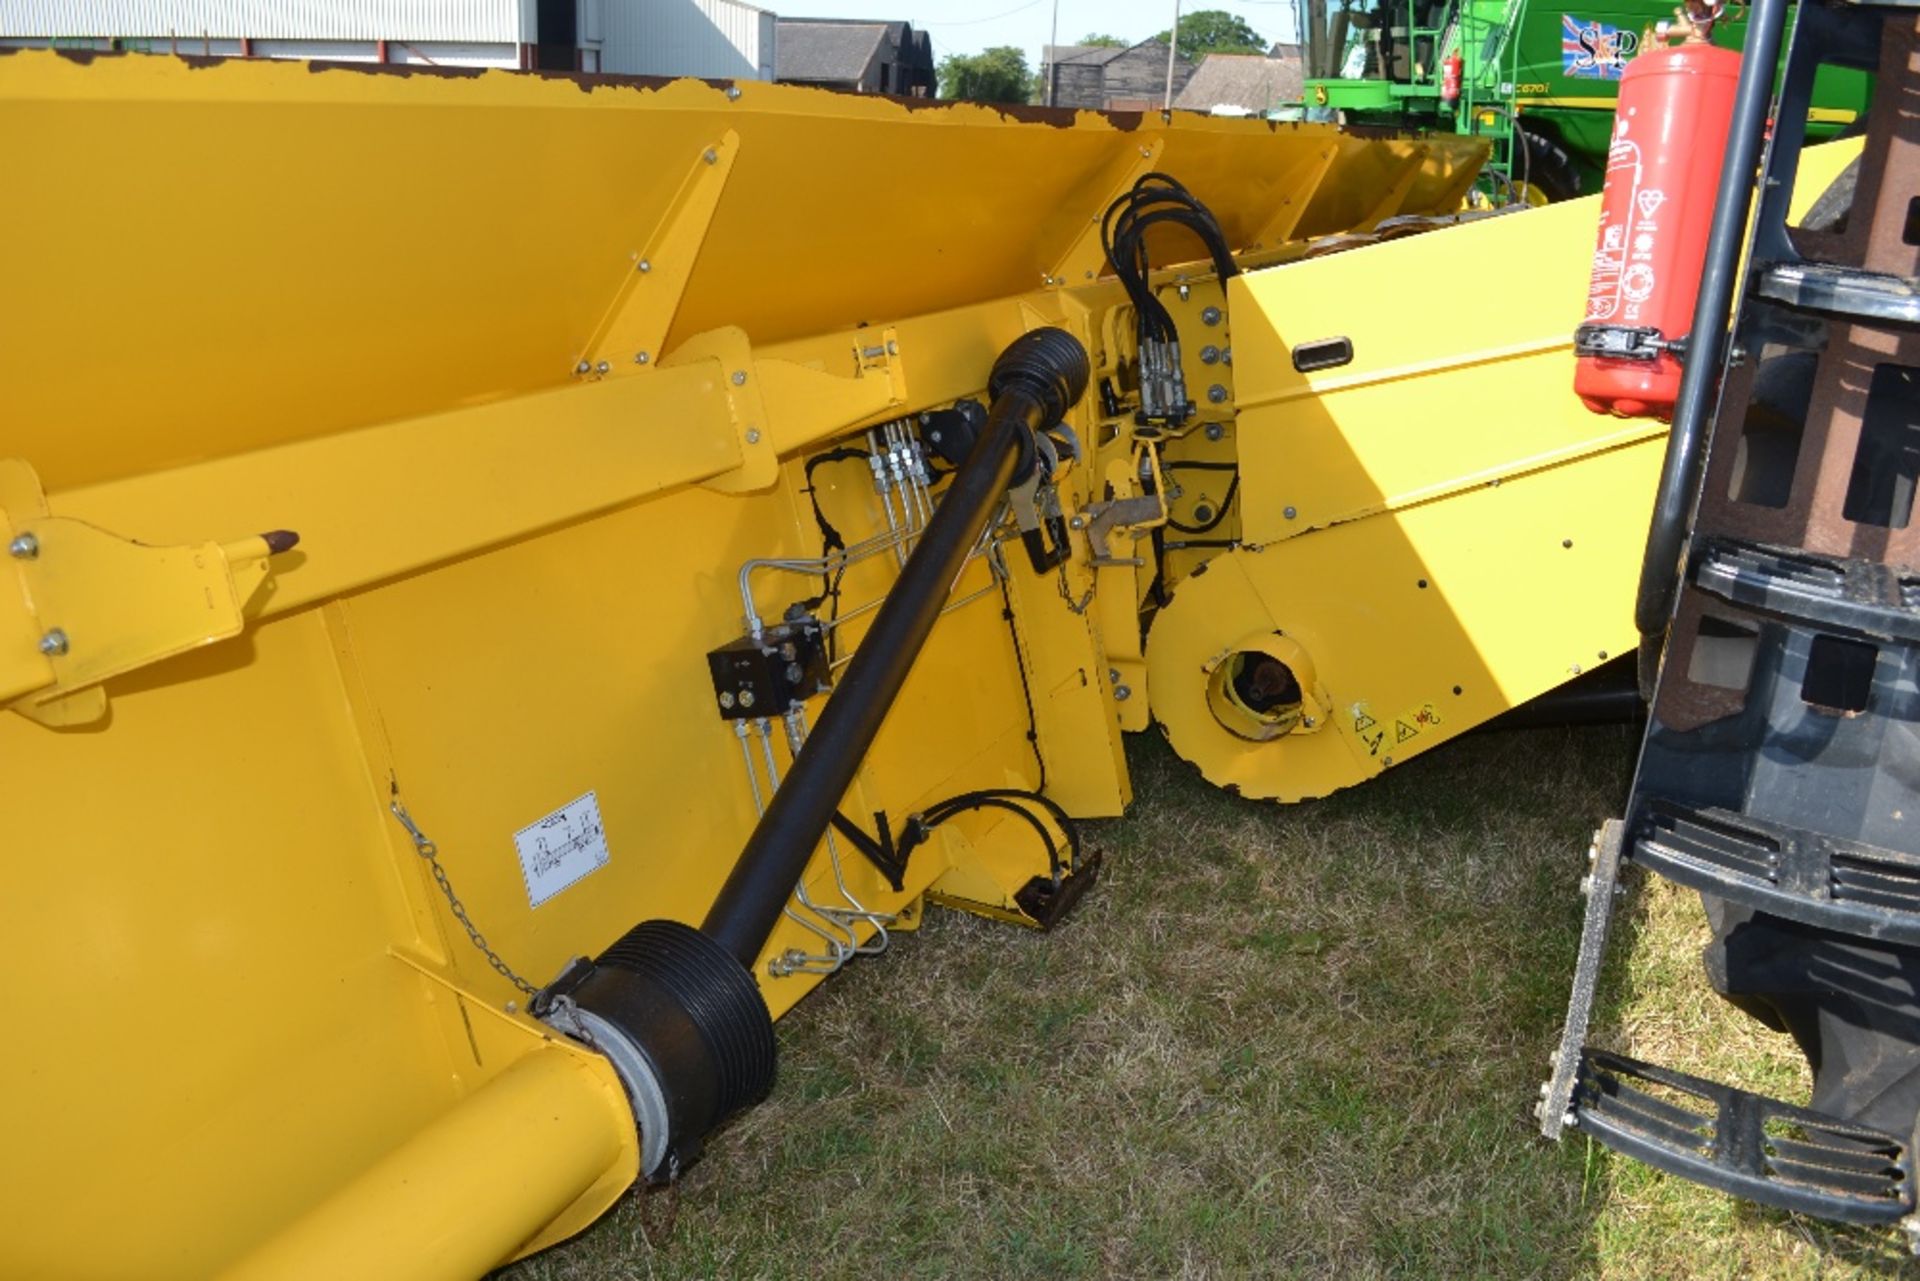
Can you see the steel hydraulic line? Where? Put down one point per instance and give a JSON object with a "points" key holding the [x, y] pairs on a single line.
{"points": [[1034, 382]]}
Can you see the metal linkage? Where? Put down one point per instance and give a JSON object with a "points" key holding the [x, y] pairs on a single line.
{"points": [[834, 925], [894, 457]]}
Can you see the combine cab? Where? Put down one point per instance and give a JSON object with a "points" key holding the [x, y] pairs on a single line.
{"points": [[1538, 81]]}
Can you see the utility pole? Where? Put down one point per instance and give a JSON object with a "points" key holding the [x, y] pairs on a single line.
{"points": [[1051, 56], [1173, 43]]}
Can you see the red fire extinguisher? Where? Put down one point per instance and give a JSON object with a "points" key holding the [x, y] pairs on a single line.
{"points": [[1663, 169], [1450, 69]]}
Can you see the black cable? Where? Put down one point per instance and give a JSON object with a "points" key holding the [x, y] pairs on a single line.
{"points": [[1026, 688], [1012, 800], [830, 542], [994, 802], [1196, 464], [1233, 487]]}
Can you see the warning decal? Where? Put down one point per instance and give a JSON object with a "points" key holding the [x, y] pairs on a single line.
{"points": [[559, 849]]}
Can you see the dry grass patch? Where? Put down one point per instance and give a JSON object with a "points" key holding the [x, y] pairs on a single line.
{"points": [[1286, 1042]]}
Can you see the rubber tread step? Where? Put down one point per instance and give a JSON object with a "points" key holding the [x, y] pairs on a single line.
{"points": [[1858, 595], [1744, 1143], [1825, 881]]}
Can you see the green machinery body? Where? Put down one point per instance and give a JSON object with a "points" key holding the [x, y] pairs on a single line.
{"points": [[1539, 81]]}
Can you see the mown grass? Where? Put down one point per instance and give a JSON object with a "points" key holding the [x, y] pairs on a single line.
{"points": [[1287, 1042]]}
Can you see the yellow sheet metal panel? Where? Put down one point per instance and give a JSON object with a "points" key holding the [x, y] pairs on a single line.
{"points": [[336, 247], [1458, 381], [1420, 624], [202, 892]]}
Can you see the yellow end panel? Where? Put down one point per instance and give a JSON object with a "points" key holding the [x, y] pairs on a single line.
{"points": [[1419, 624], [1454, 379]]}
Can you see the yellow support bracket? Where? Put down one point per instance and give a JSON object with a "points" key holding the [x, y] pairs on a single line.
{"points": [[653, 283], [777, 406], [1396, 195], [1301, 186], [90, 605], [1084, 259]]}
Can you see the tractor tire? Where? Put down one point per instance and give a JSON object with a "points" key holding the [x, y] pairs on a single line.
{"points": [[1546, 167]]}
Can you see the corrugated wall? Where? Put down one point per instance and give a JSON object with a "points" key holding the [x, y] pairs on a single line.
{"points": [[486, 21], [716, 39]]}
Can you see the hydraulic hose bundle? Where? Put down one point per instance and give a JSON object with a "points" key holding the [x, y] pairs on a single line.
{"points": [[1158, 199]]}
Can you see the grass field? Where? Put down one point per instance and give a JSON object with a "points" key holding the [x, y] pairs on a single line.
{"points": [[1274, 1042]]}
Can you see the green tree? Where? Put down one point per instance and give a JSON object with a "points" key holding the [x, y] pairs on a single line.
{"points": [[1215, 31], [999, 74], [1101, 40]]}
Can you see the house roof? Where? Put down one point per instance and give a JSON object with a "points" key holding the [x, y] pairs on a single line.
{"points": [[1089, 55], [1245, 80], [813, 49]]}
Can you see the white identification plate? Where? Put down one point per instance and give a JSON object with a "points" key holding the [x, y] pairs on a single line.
{"points": [[561, 848]]}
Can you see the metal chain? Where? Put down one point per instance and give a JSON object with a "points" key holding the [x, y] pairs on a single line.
{"points": [[1066, 592], [427, 850]]}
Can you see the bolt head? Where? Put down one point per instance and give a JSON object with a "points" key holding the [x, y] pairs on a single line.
{"points": [[1291, 512], [1217, 394], [1215, 431], [600, 368], [1078, 522], [753, 435], [739, 377], [893, 348], [733, 93], [1121, 693], [23, 547], [54, 643], [1209, 355], [646, 265], [641, 358], [746, 698], [582, 367], [710, 156], [1210, 316], [726, 699]]}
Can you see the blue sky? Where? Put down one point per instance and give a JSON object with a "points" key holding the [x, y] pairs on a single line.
{"points": [[968, 26]]}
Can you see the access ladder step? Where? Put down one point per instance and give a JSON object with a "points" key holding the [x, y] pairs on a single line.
{"points": [[1859, 595], [1820, 880], [1743, 1143], [1844, 291]]}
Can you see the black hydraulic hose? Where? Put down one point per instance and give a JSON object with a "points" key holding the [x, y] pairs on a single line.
{"points": [[1035, 381], [1706, 344]]}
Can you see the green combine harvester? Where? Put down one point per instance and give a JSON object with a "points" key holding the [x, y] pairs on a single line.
{"points": [[1538, 81]]}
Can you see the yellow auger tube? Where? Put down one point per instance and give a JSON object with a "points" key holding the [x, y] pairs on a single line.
{"points": [[470, 1188]]}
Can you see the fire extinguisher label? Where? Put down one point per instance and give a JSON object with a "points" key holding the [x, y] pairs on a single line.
{"points": [[1623, 274]]}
